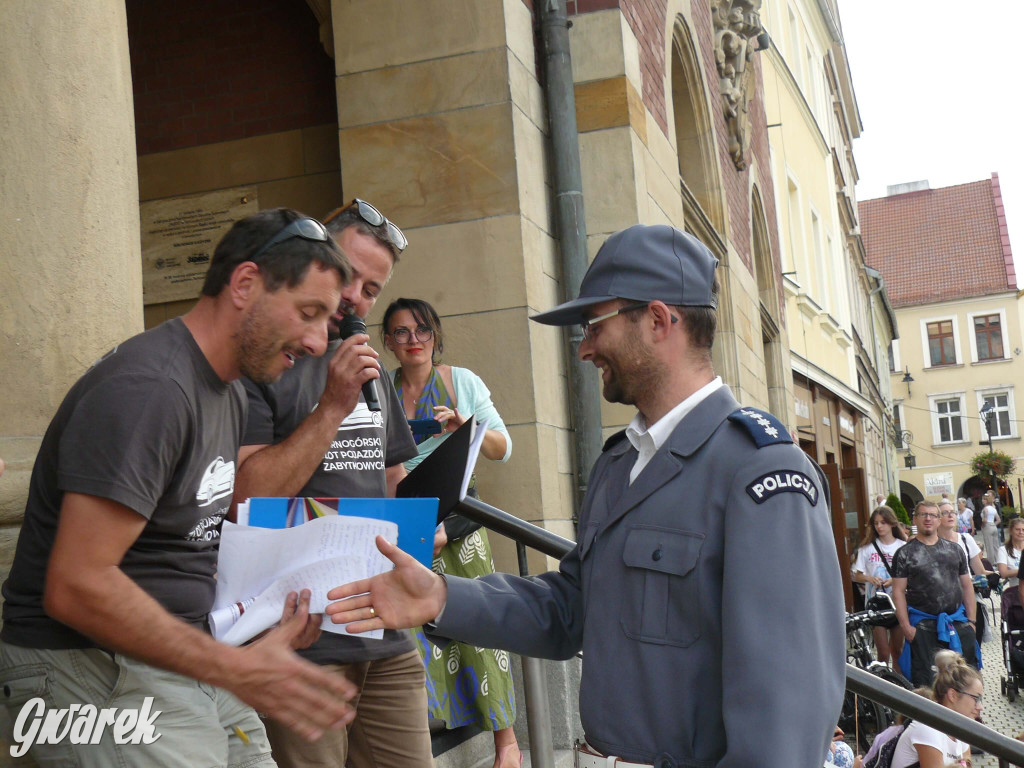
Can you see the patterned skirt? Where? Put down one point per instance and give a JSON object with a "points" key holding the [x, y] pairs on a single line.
{"points": [[467, 685]]}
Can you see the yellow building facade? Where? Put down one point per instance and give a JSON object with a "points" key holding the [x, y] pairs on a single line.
{"points": [[946, 255], [840, 322], [962, 355]]}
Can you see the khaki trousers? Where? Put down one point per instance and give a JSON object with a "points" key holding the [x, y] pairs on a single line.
{"points": [[390, 728], [197, 725]]}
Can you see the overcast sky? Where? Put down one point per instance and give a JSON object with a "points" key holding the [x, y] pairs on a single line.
{"points": [[938, 85]]}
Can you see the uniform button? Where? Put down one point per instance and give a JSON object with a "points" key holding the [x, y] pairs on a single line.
{"points": [[656, 555]]}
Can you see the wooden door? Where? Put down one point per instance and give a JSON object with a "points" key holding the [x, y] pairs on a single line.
{"points": [[835, 485]]}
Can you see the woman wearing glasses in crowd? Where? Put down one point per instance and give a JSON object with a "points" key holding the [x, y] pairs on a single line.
{"points": [[874, 558], [465, 685], [1008, 564], [957, 686]]}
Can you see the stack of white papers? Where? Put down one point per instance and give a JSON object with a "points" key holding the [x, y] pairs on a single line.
{"points": [[258, 567]]}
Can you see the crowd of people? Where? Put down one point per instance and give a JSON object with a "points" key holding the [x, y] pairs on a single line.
{"points": [[249, 392], [935, 640]]}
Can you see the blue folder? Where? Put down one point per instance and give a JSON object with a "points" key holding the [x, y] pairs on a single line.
{"points": [[416, 517]]}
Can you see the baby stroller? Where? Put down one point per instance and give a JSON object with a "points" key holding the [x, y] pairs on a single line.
{"points": [[1013, 650]]}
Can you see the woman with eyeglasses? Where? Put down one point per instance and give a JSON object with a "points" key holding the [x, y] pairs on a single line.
{"points": [[1008, 564], [465, 685], [948, 518], [958, 686]]}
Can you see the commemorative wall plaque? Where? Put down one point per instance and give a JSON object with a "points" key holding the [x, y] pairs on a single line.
{"points": [[179, 235]]}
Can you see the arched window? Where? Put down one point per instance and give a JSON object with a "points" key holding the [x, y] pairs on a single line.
{"points": [[768, 300], [698, 160]]}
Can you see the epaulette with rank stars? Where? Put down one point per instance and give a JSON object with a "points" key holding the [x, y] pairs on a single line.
{"points": [[763, 428]]}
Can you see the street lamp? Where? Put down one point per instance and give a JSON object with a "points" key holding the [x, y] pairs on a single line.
{"points": [[987, 412], [907, 378], [905, 438]]}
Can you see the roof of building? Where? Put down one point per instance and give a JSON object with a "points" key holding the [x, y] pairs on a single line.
{"points": [[937, 244]]}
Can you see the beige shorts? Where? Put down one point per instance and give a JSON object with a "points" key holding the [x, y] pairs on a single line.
{"points": [[197, 724]]}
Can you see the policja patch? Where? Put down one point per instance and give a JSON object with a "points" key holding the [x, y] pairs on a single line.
{"points": [[783, 481]]}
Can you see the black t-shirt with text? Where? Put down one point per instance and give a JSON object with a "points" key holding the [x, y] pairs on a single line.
{"points": [[367, 442]]}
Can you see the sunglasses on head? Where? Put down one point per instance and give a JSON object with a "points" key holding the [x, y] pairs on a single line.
{"points": [[306, 228], [374, 218]]}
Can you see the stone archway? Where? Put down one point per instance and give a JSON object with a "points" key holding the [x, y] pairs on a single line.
{"points": [[699, 176], [909, 496]]}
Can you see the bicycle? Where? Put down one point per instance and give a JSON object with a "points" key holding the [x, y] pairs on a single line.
{"points": [[860, 716]]}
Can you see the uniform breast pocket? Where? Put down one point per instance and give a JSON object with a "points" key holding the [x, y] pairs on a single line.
{"points": [[661, 602]]}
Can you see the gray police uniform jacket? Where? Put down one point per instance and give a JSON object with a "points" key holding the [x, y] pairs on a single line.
{"points": [[706, 598]]}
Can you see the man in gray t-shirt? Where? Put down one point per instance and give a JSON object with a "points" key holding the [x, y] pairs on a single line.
{"points": [[312, 434], [113, 573], [930, 582]]}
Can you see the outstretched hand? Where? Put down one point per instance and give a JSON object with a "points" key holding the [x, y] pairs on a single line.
{"points": [[271, 678], [408, 596]]}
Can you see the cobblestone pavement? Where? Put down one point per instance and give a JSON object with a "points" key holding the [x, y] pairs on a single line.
{"points": [[998, 714]]}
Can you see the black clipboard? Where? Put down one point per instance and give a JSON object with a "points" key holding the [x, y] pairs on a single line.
{"points": [[441, 474]]}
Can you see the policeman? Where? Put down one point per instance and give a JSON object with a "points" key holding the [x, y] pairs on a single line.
{"points": [[704, 589]]}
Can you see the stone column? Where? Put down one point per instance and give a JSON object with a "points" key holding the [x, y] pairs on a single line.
{"points": [[441, 124], [70, 266]]}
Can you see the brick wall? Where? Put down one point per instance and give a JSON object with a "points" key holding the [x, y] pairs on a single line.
{"points": [[647, 20], [205, 71]]}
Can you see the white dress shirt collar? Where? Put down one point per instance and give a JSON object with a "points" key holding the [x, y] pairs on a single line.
{"points": [[647, 440]]}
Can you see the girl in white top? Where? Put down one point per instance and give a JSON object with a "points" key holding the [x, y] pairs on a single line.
{"points": [[873, 571], [1008, 563], [957, 686]]}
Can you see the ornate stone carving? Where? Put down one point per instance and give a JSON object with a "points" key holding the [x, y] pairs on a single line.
{"points": [[737, 25]]}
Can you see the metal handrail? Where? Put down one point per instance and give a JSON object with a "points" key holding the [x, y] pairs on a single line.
{"points": [[502, 522], [858, 681], [929, 712]]}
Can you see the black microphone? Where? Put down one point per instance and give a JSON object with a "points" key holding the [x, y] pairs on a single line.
{"points": [[350, 325]]}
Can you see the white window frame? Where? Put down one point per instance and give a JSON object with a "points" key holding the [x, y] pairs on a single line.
{"points": [[933, 408], [897, 365], [794, 41], [974, 340], [926, 348], [811, 82], [822, 262], [797, 237], [997, 389]]}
